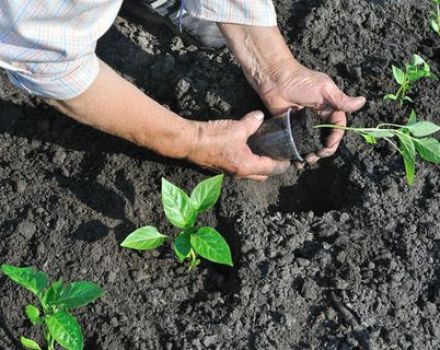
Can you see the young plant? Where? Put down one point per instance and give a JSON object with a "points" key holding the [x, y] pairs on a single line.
{"points": [[56, 300], [417, 69], [412, 139], [435, 17], [181, 211]]}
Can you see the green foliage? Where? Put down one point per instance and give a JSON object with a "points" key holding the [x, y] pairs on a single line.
{"points": [[56, 300], [435, 17], [182, 210], [417, 69], [414, 138]]}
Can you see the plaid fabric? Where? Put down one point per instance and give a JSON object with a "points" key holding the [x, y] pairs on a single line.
{"points": [[248, 12], [48, 46]]}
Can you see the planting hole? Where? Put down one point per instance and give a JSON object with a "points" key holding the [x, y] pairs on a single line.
{"points": [[320, 190]]}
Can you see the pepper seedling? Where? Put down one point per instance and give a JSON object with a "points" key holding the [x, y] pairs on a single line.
{"points": [[435, 17], [413, 138], [417, 69], [181, 211], [56, 300]]}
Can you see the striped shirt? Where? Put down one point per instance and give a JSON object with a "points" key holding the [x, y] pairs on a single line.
{"points": [[48, 46]]}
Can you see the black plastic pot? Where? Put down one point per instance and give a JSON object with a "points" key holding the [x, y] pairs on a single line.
{"points": [[288, 136]]}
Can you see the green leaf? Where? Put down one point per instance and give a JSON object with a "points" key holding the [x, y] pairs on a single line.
{"points": [[33, 314], [34, 281], [369, 139], [399, 75], [408, 150], [177, 205], [51, 294], [435, 26], [77, 294], [210, 244], [390, 97], [423, 129], [417, 60], [412, 118], [378, 134], [207, 193], [182, 246], [66, 330], [429, 149], [144, 238], [29, 344]]}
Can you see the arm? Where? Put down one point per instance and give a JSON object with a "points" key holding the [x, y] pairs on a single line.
{"points": [[117, 107]]}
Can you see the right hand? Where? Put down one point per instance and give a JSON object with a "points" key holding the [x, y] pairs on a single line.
{"points": [[222, 146]]}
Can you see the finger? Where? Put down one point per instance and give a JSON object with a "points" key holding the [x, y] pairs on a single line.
{"points": [[267, 166], [299, 165], [335, 135], [253, 121], [311, 158], [259, 178], [342, 102]]}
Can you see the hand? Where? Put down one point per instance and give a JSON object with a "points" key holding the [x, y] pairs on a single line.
{"points": [[222, 146], [293, 85]]}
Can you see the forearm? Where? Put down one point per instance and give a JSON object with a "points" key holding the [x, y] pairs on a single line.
{"points": [[261, 51], [115, 106]]}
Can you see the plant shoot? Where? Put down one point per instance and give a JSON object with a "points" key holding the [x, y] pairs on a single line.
{"points": [[56, 300], [417, 69], [408, 140], [181, 211], [435, 17]]}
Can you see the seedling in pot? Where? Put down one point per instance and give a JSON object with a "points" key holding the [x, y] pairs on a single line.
{"points": [[413, 138], [435, 17], [56, 300], [181, 211], [417, 69]]}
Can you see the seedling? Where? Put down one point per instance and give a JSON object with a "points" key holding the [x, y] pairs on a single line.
{"points": [[435, 17], [417, 69], [181, 211], [415, 137], [56, 300]]}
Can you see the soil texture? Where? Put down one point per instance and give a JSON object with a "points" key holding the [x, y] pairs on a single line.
{"points": [[340, 256]]}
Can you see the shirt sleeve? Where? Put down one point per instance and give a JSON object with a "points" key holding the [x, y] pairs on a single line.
{"points": [[247, 12], [48, 46], [58, 80]]}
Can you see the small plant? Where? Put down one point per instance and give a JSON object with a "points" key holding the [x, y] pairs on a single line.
{"points": [[435, 17], [182, 210], [414, 71], [56, 300], [412, 138]]}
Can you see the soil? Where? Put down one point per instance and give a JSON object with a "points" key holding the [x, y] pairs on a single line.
{"points": [[341, 256], [289, 136]]}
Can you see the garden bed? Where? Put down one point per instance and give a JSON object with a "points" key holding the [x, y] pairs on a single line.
{"points": [[341, 256]]}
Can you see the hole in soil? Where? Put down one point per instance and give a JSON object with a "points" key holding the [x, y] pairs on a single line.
{"points": [[321, 190]]}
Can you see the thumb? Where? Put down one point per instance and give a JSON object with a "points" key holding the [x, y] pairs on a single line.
{"points": [[345, 103], [253, 121]]}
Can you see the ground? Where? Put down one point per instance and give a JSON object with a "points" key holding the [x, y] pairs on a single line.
{"points": [[341, 256]]}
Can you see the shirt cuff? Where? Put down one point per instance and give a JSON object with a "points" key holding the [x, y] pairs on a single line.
{"points": [[247, 12], [58, 80]]}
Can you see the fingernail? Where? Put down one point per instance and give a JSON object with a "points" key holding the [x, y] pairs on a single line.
{"points": [[259, 115]]}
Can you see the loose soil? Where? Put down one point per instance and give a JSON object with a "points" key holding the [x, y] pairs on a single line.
{"points": [[341, 256]]}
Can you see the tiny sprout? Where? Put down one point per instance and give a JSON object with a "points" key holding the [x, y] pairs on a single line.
{"points": [[414, 71], [182, 210], [435, 17], [413, 138]]}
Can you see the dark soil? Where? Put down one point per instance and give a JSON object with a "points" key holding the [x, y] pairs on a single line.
{"points": [[289, 136], [341, 256]]}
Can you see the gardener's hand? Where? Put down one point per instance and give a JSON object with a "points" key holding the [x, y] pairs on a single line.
{"points": [[222, 146], [293, 85], [282, 82]]}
